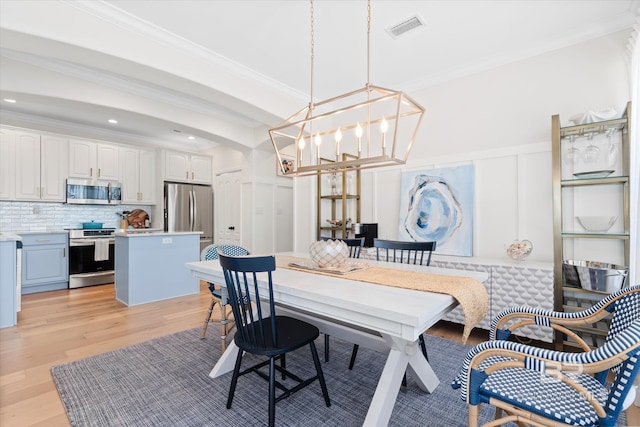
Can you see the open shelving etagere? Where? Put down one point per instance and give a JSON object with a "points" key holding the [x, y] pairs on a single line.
{"points": [[337, 206], [567, 191]]}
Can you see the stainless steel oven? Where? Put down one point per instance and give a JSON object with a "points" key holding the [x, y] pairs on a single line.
{"points": [[91, 257]]}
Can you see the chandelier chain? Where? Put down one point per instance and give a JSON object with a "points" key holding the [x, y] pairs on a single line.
{"points": [[312, 56], [368, 41]]}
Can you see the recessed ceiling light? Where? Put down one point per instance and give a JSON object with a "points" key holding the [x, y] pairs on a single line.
{"points": [[12, 101], [191, 137], [112, 121]]}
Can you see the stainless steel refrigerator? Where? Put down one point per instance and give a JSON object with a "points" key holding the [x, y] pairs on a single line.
{"points": [[189, 207]]}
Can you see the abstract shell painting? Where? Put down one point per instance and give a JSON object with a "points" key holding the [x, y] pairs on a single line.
{"points": [[437, 205]]}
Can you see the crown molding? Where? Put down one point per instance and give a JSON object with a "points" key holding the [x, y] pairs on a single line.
{"points": [[117, 17]]}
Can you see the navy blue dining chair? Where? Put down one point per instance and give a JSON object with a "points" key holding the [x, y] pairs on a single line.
{"points": [[355, 247], [249, 283], [405, 252], [402, 252]]}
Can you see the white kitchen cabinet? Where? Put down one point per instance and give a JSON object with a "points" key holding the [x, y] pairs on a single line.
{"points": [[201, 170], [41, 166], [7, 165], [187, 167], [138, 175], [93, 160]]}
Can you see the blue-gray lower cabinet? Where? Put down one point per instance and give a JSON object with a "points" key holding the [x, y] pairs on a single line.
{"points": [[45, 262], [8, 283]]}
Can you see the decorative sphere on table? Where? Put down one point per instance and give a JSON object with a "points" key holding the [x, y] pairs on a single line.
{"points": [[329, 253]]}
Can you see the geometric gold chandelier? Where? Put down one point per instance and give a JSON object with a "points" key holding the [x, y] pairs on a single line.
{"points": [[367, 128]]}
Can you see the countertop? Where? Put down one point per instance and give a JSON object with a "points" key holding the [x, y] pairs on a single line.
{"points": [[54, 231], [9, 237], [148, 232]]}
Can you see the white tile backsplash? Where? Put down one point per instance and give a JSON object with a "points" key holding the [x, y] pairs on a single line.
{"points": [[38, 216]]}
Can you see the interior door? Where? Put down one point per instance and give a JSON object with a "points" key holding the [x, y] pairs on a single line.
{"points": [[229, 208]]}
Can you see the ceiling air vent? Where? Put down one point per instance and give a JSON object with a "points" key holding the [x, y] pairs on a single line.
{"points": [[405, 26]]}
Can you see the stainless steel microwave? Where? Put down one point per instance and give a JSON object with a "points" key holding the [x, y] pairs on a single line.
{"points": [[93, 192]]}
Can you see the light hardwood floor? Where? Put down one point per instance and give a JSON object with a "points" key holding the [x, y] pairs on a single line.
{"points": [[61, 326]]}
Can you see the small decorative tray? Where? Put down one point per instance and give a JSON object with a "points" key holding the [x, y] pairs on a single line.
{"points": [[346, 268]]}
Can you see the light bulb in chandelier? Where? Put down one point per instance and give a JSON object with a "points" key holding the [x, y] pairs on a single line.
{"points": [[318, 141], [338, 138], [384, 127], [359, 137]]}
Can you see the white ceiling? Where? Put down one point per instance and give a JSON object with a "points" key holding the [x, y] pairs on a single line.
{"points": [[267, 44]]}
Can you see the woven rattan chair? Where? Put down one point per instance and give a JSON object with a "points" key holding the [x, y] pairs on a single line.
{"points": [[355, 247], [219, 295], [622, 306], [551, 388], [271, 336]]}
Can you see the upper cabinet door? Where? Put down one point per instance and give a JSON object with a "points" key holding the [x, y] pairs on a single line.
{"points": [[147, 177], [201, 170], [53, 168], [177, 166], [7, 165], [83, 159], [107, 162], [129, 161], [27, 147]]}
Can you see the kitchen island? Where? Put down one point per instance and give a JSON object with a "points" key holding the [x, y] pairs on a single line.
{"points": [[149, 266]]}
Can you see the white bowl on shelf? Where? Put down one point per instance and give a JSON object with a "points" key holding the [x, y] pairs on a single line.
{"points": [[597, 223]]}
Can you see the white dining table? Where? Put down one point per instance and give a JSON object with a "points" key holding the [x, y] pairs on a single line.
{"points": [[383, 318]]}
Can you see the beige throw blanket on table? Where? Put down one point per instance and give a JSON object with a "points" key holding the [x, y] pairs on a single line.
{"points": [[470, 293]]}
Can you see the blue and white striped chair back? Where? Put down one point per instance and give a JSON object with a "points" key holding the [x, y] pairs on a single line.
{"points": [[211, 252]]}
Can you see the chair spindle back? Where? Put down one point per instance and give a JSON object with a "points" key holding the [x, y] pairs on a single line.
{"points": [[241, 277], [405, 252]]}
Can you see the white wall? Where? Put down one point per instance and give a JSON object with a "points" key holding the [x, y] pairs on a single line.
{"points": [[499, 120]]}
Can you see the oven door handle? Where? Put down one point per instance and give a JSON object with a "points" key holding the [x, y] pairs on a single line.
{"points": [[88, 242]]}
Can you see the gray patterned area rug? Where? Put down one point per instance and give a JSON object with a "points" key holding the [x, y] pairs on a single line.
{"points": [[165, 382]]}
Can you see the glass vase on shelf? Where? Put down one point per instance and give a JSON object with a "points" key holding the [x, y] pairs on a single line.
{"points": [[333, 182], [612, 151]]}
